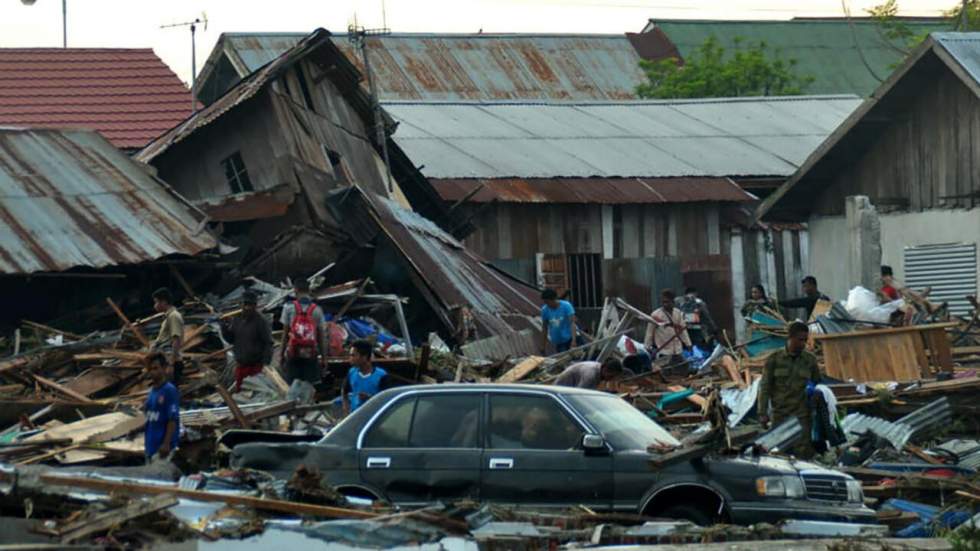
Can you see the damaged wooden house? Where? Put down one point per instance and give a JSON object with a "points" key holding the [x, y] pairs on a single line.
{"points": [[75, 208], [263, 159]]}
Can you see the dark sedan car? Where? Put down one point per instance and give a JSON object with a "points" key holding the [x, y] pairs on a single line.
{"points": [[542, 446]]}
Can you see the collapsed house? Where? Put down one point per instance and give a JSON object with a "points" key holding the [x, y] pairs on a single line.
{"points": [[911, 150], [73, 207], [263, 159]]}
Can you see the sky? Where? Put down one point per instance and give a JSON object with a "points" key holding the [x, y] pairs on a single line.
{"points": [[136, 23]]}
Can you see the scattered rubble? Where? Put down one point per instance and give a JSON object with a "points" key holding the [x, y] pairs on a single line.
{"points": [[71, 452]]}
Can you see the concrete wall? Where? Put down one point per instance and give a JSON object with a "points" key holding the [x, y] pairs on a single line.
{"points": [[829, 242]]}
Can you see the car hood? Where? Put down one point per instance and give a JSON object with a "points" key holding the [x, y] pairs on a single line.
{"points": [[779, 465]]}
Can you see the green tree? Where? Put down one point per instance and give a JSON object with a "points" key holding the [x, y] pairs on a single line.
{"points": [[751, 70], [898, 31]]}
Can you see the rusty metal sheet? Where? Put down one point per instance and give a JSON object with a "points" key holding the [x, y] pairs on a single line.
{"points": [[453, 275], [749, 137], [250, 206], [464, 66], [68, 198], [612, 191]]}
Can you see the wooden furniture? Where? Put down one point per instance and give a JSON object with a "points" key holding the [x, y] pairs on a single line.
{"points": [[891, 354]]}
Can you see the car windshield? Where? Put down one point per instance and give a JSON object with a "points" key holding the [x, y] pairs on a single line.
{"points": [[622, 425]]}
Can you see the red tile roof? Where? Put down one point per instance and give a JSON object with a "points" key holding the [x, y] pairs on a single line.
{"points": [[130, 96]]}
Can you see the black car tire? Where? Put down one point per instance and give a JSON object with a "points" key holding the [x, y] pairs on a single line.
{"points": [[688, 512]]}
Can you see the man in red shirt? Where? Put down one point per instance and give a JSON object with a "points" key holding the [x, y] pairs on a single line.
{"points": [[888, 286]]}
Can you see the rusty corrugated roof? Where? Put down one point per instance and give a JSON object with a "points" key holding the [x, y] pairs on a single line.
{"points": [[69, 198], [456, 66], [316, 42], [452, 274], [612, 191]]}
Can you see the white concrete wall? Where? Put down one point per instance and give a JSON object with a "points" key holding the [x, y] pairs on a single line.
{"points": [[828, 243], [926, 228], [828, 247]]}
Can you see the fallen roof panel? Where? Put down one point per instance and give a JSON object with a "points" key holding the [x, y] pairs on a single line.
{"points": [[68, 198]]}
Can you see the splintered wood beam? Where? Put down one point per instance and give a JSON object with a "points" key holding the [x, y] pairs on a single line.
{"points": [[128, 324], [289, 507], [105, 521], [63, 390]]}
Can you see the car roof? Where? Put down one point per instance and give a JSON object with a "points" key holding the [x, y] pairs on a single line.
{"points": [[499, 387]]}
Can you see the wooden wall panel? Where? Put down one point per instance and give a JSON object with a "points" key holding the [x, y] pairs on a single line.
{"points": [[927, 156]]}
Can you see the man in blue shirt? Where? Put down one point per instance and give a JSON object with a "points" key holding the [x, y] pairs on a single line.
{"points": [[162, 410], [558, 322], [364, 379]]}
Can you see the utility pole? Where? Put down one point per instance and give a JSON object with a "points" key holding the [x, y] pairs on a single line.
{"points": [[193, 26], [964, 18], [64, 19], [358, 37]]}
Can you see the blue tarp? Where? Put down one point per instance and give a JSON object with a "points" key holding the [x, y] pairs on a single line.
{"points": [[932, 518]]}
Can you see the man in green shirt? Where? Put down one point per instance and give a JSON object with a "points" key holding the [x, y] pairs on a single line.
{"points": [[784, 381]]}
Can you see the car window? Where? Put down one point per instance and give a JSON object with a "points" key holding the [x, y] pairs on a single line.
{"points": [[622, 425], [530, 422], [391, 430], [446, 421]]}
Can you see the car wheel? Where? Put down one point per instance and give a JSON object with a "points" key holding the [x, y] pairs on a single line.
{"points": [[688, 512]]}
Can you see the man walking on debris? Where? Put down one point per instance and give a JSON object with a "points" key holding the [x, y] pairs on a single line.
{"points": [[700, 326], [251, 339], [809, 299], [668, 332], [363, 379], [589, 374], [171, 336], [302, 335], [162, 409], [784, 382], [558, 322]]}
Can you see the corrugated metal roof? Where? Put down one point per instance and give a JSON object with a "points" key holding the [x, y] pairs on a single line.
{"points": [[454, 274], [69, 198], [249, 87], [643, 139], [965, 49], [844, 56], [460, 66], [612, 191], [127, 94]]}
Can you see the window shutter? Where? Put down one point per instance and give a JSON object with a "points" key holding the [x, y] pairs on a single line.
{"points": [[950, 269]]}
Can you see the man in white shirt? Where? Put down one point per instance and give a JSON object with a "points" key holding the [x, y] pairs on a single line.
{"points": [[668, 331]]}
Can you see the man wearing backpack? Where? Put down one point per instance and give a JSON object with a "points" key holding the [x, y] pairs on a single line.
{"points": [[302, 336]]}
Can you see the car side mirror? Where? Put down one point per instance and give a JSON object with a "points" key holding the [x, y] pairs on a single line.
{"points": [[593, 442]]}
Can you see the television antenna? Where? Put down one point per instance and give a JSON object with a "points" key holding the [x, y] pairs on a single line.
{"points": [[358, 36], [203, 20]]}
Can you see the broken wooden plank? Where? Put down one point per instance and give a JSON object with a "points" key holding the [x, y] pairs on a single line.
{"points": [[521, 370], [61, 389], [109, 519], [128, 324], [261, 504], [232, 405]]}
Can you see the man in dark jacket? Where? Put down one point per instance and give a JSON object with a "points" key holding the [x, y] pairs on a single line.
{"points": [[811, 295], [251, 339]]}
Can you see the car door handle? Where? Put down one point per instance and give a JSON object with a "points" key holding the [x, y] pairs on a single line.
{"points": [[378, 462], [501, 463]]}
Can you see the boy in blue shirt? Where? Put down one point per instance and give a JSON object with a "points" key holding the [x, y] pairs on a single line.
{"points": [[162, 410], [558, 322], [364, 379]]}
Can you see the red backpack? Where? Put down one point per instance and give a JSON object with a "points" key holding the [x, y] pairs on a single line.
{"points": [[302, 333]]}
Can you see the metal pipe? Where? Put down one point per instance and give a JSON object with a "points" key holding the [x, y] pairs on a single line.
{"points": [[64, 23]]}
